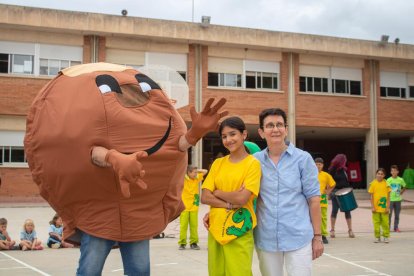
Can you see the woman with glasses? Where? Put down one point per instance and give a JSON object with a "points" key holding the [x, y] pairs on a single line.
{"points": [[288, 231]]}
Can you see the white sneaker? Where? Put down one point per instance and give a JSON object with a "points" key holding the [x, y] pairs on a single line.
{"points": [[55, 245], [377, 240], [386, 240]]}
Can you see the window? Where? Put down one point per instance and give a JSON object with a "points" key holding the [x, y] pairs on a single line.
{"points": [[4, 63], [313, 84], [51, 67], [258, 80], [16, 64], [411, 95], [395, 92], [183, 75], [12, 155], [346, 87], [224, 79]]}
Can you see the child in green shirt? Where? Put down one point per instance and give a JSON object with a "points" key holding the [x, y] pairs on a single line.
{"points": [[397, 185]]}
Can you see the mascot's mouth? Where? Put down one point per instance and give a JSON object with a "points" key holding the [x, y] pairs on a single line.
{"points": [[159, 144]]}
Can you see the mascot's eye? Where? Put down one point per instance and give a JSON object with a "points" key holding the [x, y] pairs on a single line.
{"points": [[146, 83], [145, 87], [104, 88], [107, 83]]}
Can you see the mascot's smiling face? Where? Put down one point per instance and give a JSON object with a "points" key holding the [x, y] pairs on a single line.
{"points": [[118, 108]]}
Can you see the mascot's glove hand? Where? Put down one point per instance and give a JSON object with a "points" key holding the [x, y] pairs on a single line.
{"points": [[206, 121], [128, 168]]}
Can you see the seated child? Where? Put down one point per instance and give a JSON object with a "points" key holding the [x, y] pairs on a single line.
{"points": [[5, 241], [56, 234], [28, 237]]}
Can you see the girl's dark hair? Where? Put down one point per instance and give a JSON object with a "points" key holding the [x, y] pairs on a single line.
{"points": [[233, 122], [381, 169], [54, 219]]}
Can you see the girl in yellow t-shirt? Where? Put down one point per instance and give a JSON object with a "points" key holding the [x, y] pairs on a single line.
{"points": [[380, 203], [230, 188]]}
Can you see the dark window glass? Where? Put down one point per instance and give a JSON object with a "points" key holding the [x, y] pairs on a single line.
{"points": [[1, 155], [4, 63], [17, 155], [317, 82], [355, 88], [403, 93], [383, 91], [183, 75], [275, 84], [393, 92], [267, 81], [213, 79], [250, 82], [325, 85], [340, 86], [7, 154], [302, 84], [239, 80], [310, 83], [411, 91]]}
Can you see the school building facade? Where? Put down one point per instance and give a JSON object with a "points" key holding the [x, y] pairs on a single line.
{"points": [[341, 95]]}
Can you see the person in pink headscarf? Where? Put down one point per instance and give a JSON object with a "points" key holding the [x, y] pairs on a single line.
{"points": [[338, 169]]}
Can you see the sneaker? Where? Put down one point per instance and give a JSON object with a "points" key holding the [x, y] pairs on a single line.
{"points": [[39, 247], [386, 240], [181, 247], [324, 240], [55, 245], [397, 230], [194, 246], [377, 240]]}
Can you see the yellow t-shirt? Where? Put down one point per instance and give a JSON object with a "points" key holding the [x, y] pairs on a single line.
{"points": [[379, 191], [325, 181], [191, 192], [228, 177]]}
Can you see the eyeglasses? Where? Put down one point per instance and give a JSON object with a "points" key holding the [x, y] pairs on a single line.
{"points": [[278, 125]]}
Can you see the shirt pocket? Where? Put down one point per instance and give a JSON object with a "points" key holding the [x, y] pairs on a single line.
{"points": [[290, 181]]}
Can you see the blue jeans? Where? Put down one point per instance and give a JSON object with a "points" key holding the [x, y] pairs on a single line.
{"points": [[396, 207], [135, 256]]}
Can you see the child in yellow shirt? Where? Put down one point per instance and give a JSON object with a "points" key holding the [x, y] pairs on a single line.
{"points": [[230, 188], [327, 184], [191, 200], [380, 203]]}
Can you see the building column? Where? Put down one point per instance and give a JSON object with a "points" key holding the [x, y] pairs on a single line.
{"points": [[291, 100], [371, 138], [197, 150]]}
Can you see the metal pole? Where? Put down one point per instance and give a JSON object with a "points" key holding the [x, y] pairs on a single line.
{"points": [[192, 11]]}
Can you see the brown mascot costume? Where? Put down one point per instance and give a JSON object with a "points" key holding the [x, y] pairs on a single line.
{"points": [[109, 151]]}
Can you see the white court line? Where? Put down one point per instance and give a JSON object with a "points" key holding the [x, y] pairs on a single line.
{"points": [[26, 265], [115, 270], [357, 265]]}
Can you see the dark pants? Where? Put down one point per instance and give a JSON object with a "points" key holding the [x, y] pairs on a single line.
{"points": [[335, 207], [395, 205]]}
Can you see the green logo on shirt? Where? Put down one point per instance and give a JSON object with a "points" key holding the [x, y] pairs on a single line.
{"points": [[241, 215]]}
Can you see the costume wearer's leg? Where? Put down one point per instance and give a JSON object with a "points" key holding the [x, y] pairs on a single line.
{"points": [[397, 214], [184, 218], [376, 220], [238, 255], [299, 262], [391, 210], [324, 221], [270, 263], [93, 255], [193, 227], [334, 213], [385, 225], [216, 260], [335, 207], [135, 257]]}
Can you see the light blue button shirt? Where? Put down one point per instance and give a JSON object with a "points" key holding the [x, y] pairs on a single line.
{"points": [[283, 219]]}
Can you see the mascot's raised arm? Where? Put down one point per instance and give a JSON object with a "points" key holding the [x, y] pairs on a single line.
{"points": [[109, 152]]}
